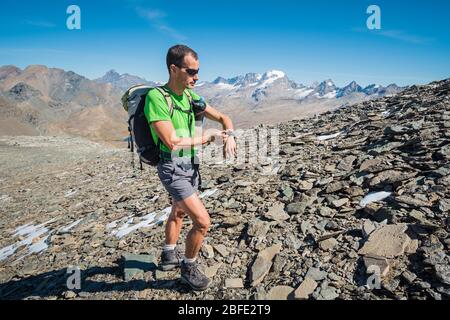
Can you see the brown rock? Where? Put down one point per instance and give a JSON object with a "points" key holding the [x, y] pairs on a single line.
{"points": [[234, 283], [280, 293], [389, 241], [263, 263], [328, 244], [305, 289], [277, 213]]}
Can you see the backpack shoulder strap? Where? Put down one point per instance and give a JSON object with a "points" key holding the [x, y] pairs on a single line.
{"points": [[188, 95], [166, 95]]}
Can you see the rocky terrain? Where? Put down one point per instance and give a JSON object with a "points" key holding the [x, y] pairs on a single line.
{"points": [[355, 207]]}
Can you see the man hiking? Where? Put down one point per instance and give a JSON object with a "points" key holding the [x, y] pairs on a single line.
{"points": [[178, 167]]}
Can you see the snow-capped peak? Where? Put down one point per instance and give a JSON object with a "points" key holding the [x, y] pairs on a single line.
{"points": [[271, 76], [328, 83], [274, 74]]}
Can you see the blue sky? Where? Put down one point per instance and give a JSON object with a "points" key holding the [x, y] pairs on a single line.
{"points": [[309, 40]]}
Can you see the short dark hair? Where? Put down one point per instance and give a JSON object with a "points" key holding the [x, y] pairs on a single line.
{"points": [[176, 55]]}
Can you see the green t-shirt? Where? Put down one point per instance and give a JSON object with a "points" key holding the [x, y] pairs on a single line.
{"points": [[156, 109]]}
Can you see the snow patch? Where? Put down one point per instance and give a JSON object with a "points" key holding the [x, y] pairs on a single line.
{"points": [[302, 93], [374, 196], [131, 224], [330, 95], [72, 225], [208, 193], [225, 86], [328, 137], [31, 233]]}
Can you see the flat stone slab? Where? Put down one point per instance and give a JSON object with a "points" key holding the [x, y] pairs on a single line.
{"points": [[328, 293], [210, 272], [316, 274], [137, 264], [222, 250], [389, 242], [280, 293], [305, 289], [263, 263], [234, 283], [277, 213]]}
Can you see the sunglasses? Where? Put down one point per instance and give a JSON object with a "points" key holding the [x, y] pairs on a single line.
{"points": [[191, 72]]}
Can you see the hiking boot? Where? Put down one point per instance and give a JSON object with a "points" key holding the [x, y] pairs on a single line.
{"points": [[191, 275], [170, 260]]}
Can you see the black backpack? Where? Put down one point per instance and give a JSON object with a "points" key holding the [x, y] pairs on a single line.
{"points": [[133, 102]]}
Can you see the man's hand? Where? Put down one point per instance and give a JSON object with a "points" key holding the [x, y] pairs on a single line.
{"points": [[229, 149]]}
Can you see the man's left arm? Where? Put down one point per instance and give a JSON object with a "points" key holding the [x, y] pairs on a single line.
{"points": [[215, 115]]}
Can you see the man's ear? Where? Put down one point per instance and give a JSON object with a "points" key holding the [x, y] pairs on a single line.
{"points": [[173, 68]]}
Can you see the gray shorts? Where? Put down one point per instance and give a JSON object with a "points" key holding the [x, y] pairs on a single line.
{"points": [[181, 178]]}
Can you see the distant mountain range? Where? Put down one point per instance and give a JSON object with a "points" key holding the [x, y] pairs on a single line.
{"points": [[258, 84], [123, 81], [272, 97], [46, 100], [42, 100], [261, 87]]}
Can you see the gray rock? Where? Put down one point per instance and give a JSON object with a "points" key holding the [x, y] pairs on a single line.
{"points": [[326, 212], [328, 293], [339, 203], [137, 264], [408, 276], [305, 226], [288, 192], [296, 208], [443, 273], [368, 228], [222, 250], [207, 251], [316, 274], [258, 228], [336, 186], [291, 241], [346, 164]]}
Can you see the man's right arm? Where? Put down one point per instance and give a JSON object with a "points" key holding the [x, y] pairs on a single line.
{"points": [[158, 116], [166, 132]]}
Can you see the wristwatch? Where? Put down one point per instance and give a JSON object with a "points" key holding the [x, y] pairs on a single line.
{"points": [[231, 133]]}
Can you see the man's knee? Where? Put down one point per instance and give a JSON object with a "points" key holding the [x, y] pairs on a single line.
{"points": [[203, 223], [177, 212]]}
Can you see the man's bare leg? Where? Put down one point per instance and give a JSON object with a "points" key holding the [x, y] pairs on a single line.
{"points": [[190, 273], [174, 224], [194, 207]]}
